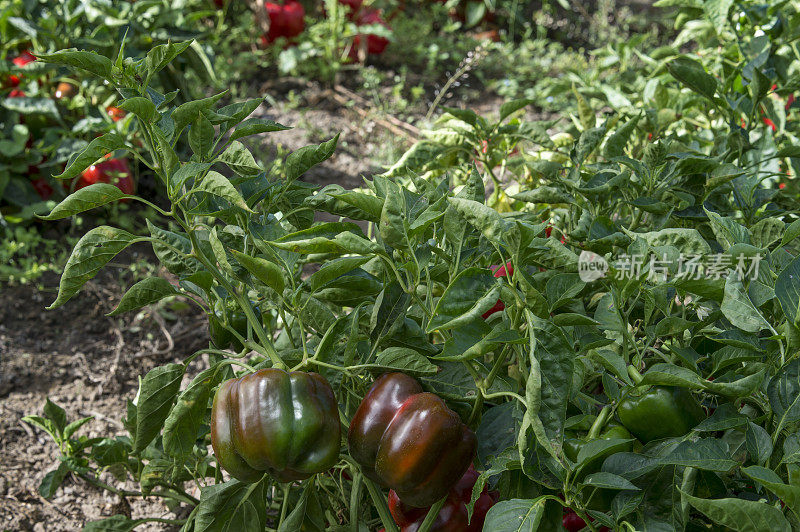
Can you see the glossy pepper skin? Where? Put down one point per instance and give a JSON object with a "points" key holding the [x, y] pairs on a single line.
{"points": [[453, 515], [660, 412], [410, 441], [272, 421], [113, 171]]}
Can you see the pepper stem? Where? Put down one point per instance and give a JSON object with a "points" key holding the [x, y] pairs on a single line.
{"points": [[433, 513], [599, 423], [635, 375]]}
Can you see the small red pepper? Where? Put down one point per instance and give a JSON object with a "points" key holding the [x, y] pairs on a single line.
{"points": [[499, 271]]}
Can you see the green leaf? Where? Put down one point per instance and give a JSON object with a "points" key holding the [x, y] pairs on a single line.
{"points": [[473, 292], [692, 74], [52, 480], [265, 271], [157, 393], [239, 159], [402, 359], [201, 137], [84, 199], [516, 515], [509, 108], [332, 270], [302, 160], [160, 56], [256, 126], [609, 481], [741, 515], [141, 107], [787, 290], [770, 480], [92, 252], [618, 141], [145, 292], [185, 418], [388, 312], [393, 225], [232, 507], [485, 219], [739, 309], [544, 194], [306, 515], [90, 61], [218, 185], [186, 113], [783, 392], [115, 523], [98, 148]]}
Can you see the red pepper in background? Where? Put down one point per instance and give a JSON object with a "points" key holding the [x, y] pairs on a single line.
{"points": [[789, 101], [21, 60], [375, 44], [115, 113], [770, 123], [499, 271], [113, 171], [354, 6], [42, 187], [16, 93], [453, 515], [572, 521], [284, 20]]}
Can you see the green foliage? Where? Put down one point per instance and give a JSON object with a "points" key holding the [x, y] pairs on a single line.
{"points": [[407, 278]]}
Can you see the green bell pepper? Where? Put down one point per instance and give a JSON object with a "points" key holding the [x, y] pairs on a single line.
{"points": [[660, 412]]}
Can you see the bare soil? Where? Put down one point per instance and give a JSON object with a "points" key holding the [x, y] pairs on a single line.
{"points": [[88, 364]]}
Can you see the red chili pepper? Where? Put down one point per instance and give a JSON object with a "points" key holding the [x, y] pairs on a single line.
{"points": [[782, 186], [789, 101], [16, 93], [113, 171], [24, 58], [115, 113], [499, 271], [770, 123]]}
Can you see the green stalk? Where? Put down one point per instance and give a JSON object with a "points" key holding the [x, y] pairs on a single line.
{"points": [[433, 513]]}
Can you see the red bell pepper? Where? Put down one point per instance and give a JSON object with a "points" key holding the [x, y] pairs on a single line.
{"points": [[453, 515]]}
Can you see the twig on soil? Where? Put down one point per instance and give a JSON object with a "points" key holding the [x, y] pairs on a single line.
{"points": [[411, 130], [102, 417], [28, 430], [112, 371], [159, 319]]}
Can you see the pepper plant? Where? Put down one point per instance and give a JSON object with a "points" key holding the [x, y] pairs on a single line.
{"points": [[601, 386]]}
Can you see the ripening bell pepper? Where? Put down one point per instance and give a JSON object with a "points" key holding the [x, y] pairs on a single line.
{"points": [[410, 441], [660, 412], [284, 424], [453, 515]]}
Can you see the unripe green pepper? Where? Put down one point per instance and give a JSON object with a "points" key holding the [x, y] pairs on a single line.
{"points": [[221, 337], [271, 421], [660, 412]]}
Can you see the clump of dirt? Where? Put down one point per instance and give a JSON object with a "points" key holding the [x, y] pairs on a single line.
{"points": [[88, 364]]}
